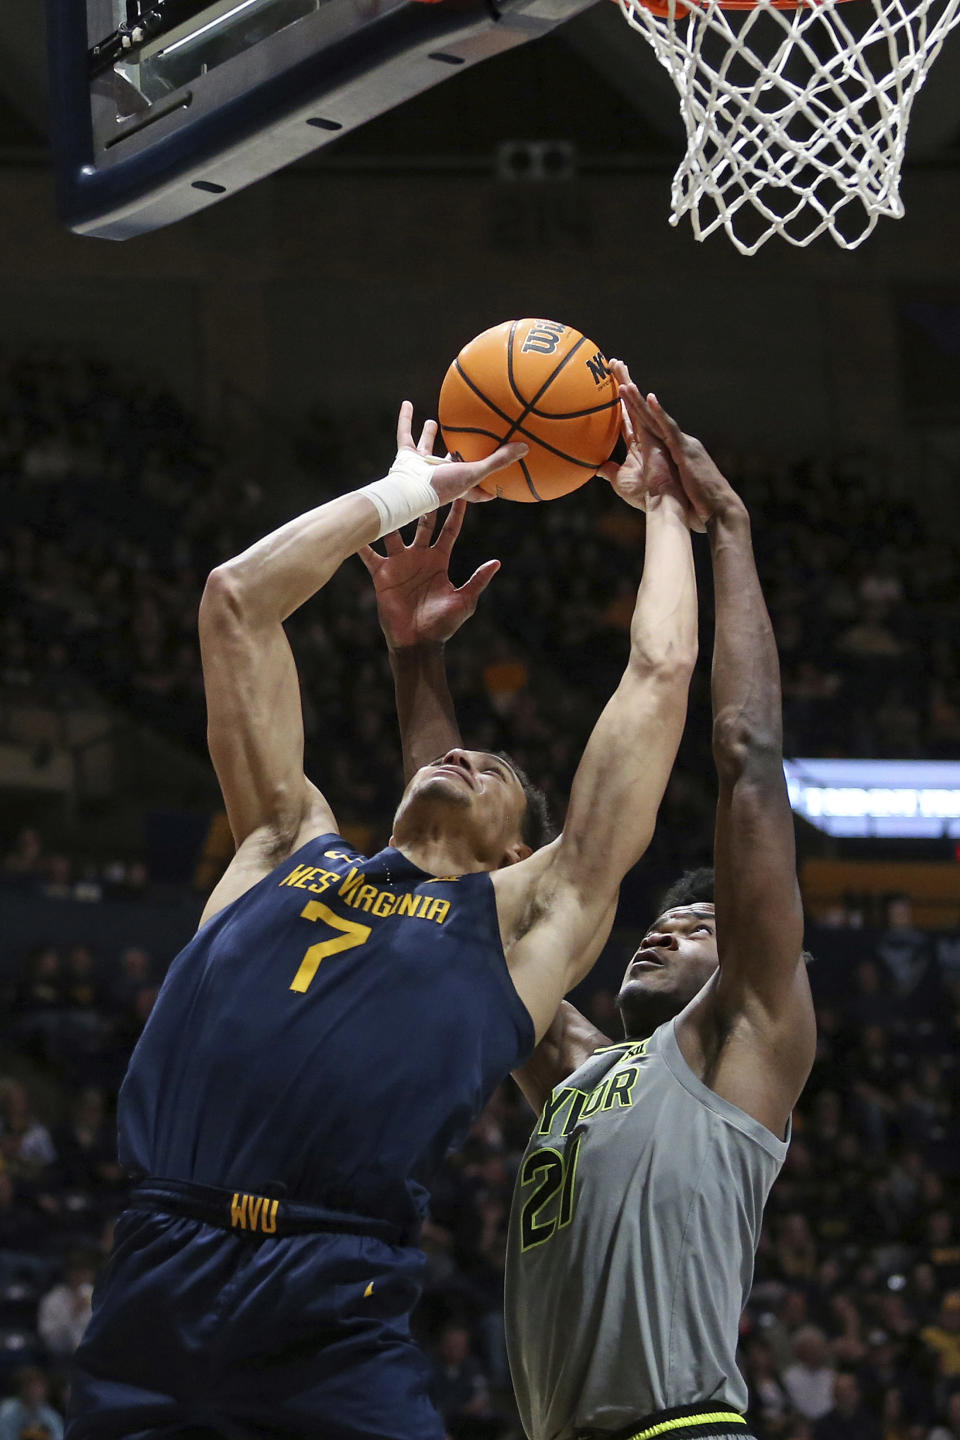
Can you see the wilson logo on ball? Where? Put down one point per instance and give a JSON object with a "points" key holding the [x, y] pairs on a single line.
{"points": [[544, 340]]}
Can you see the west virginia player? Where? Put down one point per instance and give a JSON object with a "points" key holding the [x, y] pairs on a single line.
{"points": [[640, 1197], [338, 1020]]}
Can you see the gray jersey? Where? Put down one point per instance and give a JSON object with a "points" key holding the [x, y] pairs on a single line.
{"points": [[633, 1232]]}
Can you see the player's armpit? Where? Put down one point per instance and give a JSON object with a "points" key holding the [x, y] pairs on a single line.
{"points": [[255, 725], [755, 1061], [569, 1041], [551, 935]]}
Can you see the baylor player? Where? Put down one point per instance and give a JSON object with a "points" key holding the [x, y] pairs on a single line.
{"points": [[338, 1020], [640, 1197]]}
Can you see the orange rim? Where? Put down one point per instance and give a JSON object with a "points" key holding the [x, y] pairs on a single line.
{"points": [[664, 9]]}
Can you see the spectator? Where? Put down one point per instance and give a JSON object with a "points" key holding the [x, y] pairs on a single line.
{"points": [[944, 1337], [26, 857], [461, 1391], [65, 1310], [796, 1249], [21, 1224], [809, 1379], [769, 1402], [789, 1317], [942, 1248], [87, 1147], [949, 1427], [847, 1419], [29, 1414], [25, 1143]]}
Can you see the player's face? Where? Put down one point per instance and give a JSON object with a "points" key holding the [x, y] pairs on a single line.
{"points": [[673, 962], [473, 790]]}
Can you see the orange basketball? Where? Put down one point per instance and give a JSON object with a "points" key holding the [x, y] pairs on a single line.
{"points": [[536, 381]]}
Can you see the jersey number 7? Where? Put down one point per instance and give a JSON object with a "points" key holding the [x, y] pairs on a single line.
{"points": [[352, 933]]}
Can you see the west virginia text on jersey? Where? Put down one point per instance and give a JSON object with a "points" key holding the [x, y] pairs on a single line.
{"points": [[333, 1032]]}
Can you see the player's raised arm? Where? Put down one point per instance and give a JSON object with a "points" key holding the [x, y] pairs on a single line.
{"points": [[255, 725], [569, 1041], [762, 981], [556, 908], [419, 610]]}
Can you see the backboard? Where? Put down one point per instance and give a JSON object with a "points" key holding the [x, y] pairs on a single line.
{"points": [[163, 107]]}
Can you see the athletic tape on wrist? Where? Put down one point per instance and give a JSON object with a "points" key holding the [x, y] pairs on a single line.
{"points": [[405, 492]]}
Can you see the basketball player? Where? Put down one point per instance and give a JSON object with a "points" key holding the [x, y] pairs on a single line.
{"points": [[639, 1200], [338, 1020]]}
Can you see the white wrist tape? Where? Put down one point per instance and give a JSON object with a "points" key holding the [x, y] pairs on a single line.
{"points": [[405, 492]]}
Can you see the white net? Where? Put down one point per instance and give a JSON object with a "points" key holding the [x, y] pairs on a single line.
{"points": [[796, 119]]}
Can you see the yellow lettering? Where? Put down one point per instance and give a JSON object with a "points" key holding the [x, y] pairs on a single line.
{"points": [[256, 1202], [438, 911], [363, 898], [307, 874], [325, 879], [296, 875], [238, 1211], [335, 855], [354, 879], [409, 904], [269, 1217], [385, 903]]}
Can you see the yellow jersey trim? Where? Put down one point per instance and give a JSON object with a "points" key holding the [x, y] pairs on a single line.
{"points": [[688, 1422]]}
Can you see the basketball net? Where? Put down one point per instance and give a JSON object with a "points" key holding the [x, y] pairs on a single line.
{"points": [[796, 118]]}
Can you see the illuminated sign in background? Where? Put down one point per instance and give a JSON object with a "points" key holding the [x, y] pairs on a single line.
{"points": [[912, 799]]}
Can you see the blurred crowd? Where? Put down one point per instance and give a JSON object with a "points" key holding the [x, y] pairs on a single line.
{"points": [[852, 1331], [118, 506]]}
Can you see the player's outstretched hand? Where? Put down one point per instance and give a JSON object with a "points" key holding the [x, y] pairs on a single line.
{"points": [[416, 600], [453, 478], [648, 470], [707, 490]]}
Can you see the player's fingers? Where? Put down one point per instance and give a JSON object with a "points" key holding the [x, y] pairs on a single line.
{"points": [[424, 531], [626, 426], [451, 526], [631, 402], [499, 460], [405, 426], [393, 543], [370, 558], [478, 496], [428, 437], [479, 580], [609, 471], [667, 427], [619, 372]]}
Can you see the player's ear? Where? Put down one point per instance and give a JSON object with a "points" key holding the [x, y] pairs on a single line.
{"points": [[519, 850]]}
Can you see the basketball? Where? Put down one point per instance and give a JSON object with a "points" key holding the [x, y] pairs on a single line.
{"points": [[540, 382]]}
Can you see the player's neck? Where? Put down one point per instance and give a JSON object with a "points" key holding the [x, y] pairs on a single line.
{"points": [[438, 856], [648, 1015]]}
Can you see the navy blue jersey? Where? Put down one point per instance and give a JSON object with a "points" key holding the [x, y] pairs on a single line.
{"points": [[334, 1030]]}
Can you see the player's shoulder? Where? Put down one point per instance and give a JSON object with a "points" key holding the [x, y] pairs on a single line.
{"points": [[261, 855]]}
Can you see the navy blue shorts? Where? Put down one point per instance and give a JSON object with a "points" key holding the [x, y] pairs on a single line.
{"points": [[202, 1330]]}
